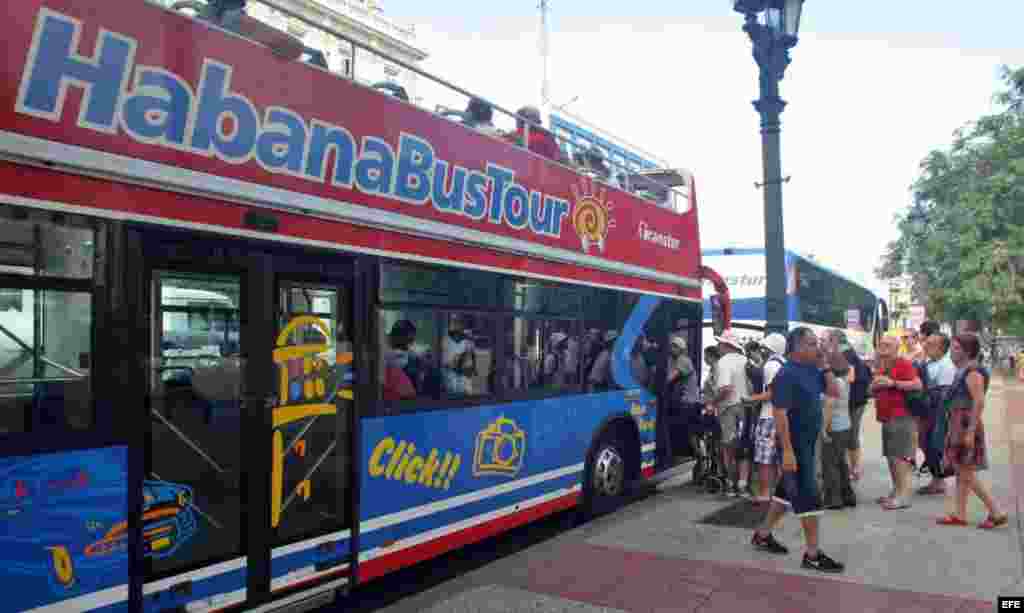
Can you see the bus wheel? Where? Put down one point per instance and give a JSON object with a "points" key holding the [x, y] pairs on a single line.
{"points": [[605, 476]]}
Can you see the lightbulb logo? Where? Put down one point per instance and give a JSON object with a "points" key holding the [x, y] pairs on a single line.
{"points": [[500, 449], [591, 216]]}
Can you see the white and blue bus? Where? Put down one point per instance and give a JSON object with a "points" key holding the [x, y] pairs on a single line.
{"points": [[816, 296]]}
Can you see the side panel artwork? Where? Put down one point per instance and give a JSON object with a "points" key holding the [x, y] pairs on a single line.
{"points": [[63, 533]]}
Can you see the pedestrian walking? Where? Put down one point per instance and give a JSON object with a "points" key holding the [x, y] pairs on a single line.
{"points": [[797, 393], [966, 451], [894, 377], [838, 492]]}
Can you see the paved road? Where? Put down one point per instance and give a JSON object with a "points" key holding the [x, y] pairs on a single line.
{"points": [[652, 555]]}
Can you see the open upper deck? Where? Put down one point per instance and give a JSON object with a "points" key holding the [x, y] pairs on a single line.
{"points": [[137, 93]]}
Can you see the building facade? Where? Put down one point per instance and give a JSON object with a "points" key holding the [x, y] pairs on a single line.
{"points": [[905, 313], [360, 20]]}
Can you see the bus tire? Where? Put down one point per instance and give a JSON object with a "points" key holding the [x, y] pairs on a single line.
{"points": [[608, 472]]}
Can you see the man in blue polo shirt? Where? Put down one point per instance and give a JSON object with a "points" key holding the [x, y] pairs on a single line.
{"points": [[797, 393]]}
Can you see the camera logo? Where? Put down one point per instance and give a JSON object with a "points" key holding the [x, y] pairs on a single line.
{"points": [[500, 449]]}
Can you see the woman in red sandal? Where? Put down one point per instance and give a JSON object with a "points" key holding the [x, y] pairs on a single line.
{"points": [[965, 451]]}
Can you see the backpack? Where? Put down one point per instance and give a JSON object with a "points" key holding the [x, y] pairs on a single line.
{"points": [[860, 389], [918, 403], [425, 378], [755, 374]]}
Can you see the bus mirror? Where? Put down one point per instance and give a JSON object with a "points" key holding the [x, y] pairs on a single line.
{"points": [[717, 315]]}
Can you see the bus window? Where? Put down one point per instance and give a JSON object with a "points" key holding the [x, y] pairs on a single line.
{"points": [[46, 325], [546, 354], [467, 354], [409, 365], [194, 445], [45, 348]]}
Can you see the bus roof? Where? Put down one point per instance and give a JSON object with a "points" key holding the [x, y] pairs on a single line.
{"points": [[790, 255]]}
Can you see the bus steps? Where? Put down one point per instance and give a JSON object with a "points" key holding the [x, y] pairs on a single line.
{"points": [[681, 469]]}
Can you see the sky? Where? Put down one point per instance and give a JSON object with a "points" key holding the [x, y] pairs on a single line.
{"points": [[873, 87]]}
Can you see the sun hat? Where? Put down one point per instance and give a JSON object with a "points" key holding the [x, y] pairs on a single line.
{"points": [[729, 337]]}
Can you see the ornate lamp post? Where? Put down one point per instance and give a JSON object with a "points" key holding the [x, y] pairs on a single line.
{"points": [[772, 26]]}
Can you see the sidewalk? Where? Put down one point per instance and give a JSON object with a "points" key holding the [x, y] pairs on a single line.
{"points": [[653, 556]]}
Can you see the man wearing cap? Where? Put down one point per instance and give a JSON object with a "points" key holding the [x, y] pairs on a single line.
{"points": [[733, 387], [541, 141]]}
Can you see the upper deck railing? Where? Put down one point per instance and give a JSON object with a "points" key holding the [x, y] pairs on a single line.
{"points": [[668, 188]]}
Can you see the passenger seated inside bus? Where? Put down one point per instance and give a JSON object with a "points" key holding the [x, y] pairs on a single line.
{"points": [[458, 358], [406, 373]]}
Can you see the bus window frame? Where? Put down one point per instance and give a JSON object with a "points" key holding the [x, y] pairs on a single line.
{"points": [[102, 430]]}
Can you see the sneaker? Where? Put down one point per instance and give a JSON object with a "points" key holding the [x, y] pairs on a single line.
{"points": [[822, 563], [769, 544]]}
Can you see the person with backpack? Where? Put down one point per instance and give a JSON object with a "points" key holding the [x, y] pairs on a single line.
{"points": [[937, 376], [966, 452], [764, 432]]}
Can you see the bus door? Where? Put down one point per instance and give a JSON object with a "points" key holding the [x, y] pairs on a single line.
{"points": [[313, 418], [247, 456]]}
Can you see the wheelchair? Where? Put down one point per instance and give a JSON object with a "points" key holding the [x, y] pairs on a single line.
{"points": [[708, 471]]}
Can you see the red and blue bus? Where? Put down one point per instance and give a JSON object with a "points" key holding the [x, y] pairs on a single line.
{"points": [[266, 333]]}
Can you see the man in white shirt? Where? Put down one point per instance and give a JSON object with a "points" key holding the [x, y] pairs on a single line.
{"points": [[733, 388]]}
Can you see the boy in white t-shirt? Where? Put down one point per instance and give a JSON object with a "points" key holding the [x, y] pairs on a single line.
{"points": [[764, 434]]}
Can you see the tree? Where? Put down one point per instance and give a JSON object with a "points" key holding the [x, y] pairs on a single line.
{"points": [[960, 238]]}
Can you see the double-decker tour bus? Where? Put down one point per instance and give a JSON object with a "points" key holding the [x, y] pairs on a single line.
{"points": [[266, 333], [816, 297]]}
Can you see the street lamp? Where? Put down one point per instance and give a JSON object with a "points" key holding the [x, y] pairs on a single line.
{"points": [[772, 26]]}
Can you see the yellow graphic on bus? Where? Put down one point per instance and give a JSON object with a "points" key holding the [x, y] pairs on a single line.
{"points": [[500, 449], [303, 394], [398, 461], [591, 217], [63, 569]]}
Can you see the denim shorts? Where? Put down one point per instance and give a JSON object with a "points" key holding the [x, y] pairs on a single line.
{"points": [[799, 490]]}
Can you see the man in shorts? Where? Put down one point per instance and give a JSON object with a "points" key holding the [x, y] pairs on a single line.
{"points": [[733, 388], [797, 393], [764, 433]]}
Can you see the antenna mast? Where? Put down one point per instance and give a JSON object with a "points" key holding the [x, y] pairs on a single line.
{"points": [[545, 94]]}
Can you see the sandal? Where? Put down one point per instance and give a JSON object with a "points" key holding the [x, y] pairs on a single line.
{"points": [[895, 504], [951, 520], [994, 522]]}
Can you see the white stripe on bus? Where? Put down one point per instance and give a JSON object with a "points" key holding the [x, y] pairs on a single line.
{"points": [[80, 160], [469, 522], [648, 447], [195, 575], [307, 242], [87, 602], [309, 544], [383, 521]]}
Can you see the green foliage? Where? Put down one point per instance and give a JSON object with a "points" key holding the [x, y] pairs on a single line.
{"points": [[963, 239]]}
